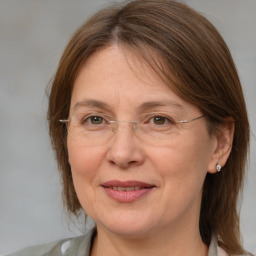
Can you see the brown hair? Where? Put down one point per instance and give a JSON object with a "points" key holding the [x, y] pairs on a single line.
{"points": [[195, 62]]}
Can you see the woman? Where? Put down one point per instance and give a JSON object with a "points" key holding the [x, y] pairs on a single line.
{"points": [[149, 125]]}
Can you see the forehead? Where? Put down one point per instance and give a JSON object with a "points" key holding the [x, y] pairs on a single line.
{"points": [[115, 76]]}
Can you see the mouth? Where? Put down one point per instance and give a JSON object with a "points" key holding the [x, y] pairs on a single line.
{"points": [[127, 191], [126, 188]]}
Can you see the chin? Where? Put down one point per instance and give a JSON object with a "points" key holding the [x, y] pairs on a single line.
{"points": [[132, 231], [133, 224]]}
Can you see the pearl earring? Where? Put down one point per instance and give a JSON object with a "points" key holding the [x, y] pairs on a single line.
{"points": [[218, 167]]}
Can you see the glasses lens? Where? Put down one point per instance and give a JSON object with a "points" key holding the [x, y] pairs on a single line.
{"points": [[97, 128]]}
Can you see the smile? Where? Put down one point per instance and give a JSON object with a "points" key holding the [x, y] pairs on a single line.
{"points": [[128, 191], [126, 188]]}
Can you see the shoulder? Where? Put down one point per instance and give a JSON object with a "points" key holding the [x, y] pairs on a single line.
{"points": [[66, 247]]}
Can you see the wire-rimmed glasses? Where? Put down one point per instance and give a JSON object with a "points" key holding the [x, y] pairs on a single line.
{"points": [[96, 127]]}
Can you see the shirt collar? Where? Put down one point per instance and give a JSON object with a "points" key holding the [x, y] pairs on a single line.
{"points": [[213, 248]]}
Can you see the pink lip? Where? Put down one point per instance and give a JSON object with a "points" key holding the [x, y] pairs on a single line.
{"points": [[127, 196]]}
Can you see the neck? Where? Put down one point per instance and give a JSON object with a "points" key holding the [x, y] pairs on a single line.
{"points": [[164, 243]]}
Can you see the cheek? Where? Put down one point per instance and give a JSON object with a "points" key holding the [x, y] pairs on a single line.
{"points": [[83, 159], [182, 169], [85, 164], [183, 165]]}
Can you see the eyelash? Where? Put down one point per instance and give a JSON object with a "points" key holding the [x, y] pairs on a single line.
{"points": [[90, 117], [166, 120]]}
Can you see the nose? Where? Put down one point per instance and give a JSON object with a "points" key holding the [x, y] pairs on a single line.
{"points": [[124, 150]]}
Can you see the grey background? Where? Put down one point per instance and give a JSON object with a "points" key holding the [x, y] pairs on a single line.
{"points": [[33, 35]]}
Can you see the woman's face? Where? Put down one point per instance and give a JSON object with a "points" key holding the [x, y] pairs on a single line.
{"points": [[128, 184]]}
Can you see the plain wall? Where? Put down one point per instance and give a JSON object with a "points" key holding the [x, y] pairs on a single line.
{"points": [[33, 35]]}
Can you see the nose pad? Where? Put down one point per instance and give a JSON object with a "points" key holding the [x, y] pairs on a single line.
{"points": [[135, 126], [114, 128], [115, 125]]}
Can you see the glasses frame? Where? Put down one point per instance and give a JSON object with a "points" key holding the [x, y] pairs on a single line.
{"points": [[114, 124], [66, 121]]}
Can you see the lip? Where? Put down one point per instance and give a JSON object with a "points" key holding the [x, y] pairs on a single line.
{"points": [[127, 191]]}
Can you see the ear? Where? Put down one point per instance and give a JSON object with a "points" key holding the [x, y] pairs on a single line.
{"points": [[223, 144]]}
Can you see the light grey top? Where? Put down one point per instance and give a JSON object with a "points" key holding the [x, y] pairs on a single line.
{"points": [[80, 246]]}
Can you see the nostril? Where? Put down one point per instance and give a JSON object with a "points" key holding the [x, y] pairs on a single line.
{"points": [[131, 163], [124, 165], [112, 162]]}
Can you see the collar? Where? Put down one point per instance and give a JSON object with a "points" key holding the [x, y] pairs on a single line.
{"points": [[214, 249]]}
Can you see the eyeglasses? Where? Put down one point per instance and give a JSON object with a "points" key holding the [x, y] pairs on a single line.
{"points": [[95, 128]]}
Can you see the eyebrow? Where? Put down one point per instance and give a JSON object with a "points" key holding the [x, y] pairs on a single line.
{"points": [[144, 106], [154, 104], [92, 103]]}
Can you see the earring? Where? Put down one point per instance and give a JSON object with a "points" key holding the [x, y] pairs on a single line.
{"points": [[218, 167]]}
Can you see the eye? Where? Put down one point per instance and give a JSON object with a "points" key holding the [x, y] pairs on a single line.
{"points": [[95, 120], [160, 120]]}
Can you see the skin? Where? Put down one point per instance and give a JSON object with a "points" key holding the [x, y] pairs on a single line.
{"points": [[166, 219]]}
